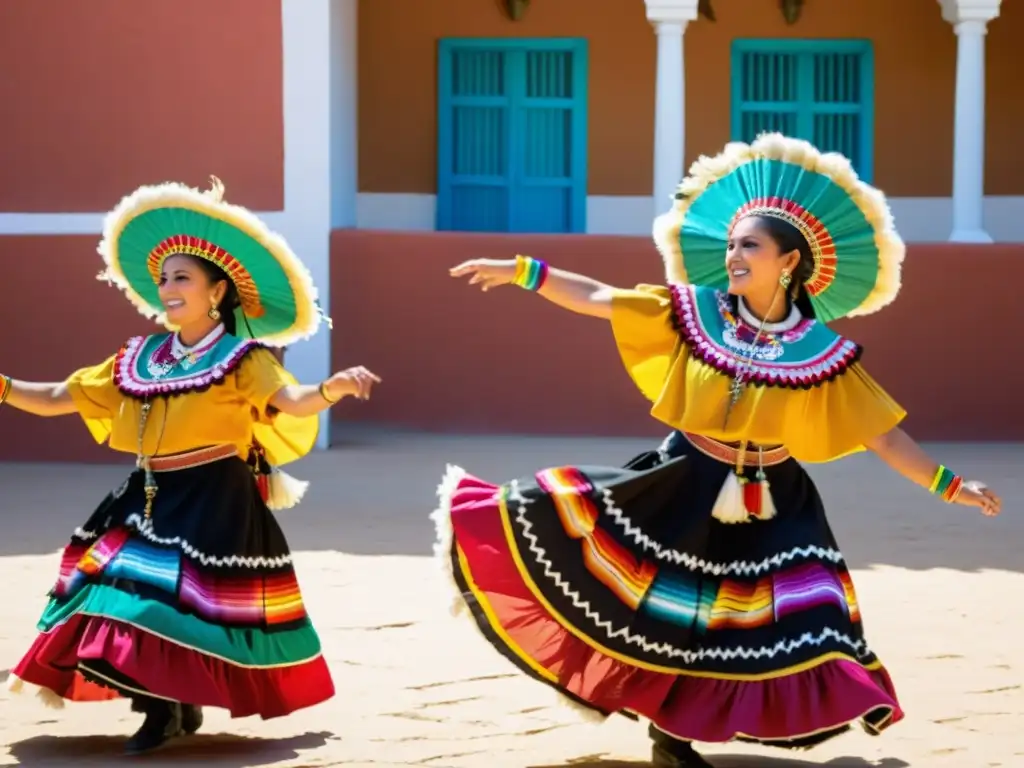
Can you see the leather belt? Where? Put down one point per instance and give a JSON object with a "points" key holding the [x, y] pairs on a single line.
{"points": [[190, 459], [728, 454]]}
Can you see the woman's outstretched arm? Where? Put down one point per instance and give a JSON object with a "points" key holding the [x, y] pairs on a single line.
{"points": [[577, 293], [308, 400], [897, 449], [39, 399]]}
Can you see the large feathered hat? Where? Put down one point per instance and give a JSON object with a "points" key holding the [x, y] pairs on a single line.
{"points": [[857, 253], [278, 301]]}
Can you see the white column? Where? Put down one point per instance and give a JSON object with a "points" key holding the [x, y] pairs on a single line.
{"points": [[306, 222], [969, 19], [669, 18], [344, 112]]}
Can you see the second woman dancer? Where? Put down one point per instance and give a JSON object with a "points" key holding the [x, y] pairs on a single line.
{"points": [[701, 587]]}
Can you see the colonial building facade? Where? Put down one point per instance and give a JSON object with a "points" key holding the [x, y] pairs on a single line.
{"points": [[443, 127], [574, 120]]}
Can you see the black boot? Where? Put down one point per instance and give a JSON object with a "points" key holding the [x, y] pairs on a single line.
{"points": [[162, 723], [668, 752], [191, 718]]}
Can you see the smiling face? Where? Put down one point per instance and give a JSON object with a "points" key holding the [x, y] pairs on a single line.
{"points": [[187, 292], [755, 262]]}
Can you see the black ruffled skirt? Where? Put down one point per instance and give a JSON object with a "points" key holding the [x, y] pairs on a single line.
{"points": [[196, 603], [617, 587]]}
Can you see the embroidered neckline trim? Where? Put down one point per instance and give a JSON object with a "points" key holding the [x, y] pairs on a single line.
{"points": [[827, 364], [131, 356]]}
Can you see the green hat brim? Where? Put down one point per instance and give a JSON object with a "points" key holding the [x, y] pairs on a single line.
{"points": [[278, 298]]}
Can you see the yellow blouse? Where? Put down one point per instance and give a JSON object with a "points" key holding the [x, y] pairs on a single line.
{"points": [[233, 410], [805, 390]]}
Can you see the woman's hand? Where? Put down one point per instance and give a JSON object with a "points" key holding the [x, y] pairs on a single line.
{"points": [[357, 381], [303, 400], [900, 452], [488, 273], [975, 494]]}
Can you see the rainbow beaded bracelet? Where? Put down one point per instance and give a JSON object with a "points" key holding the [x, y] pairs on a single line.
{"points": [[530, 273], [946, 484]]}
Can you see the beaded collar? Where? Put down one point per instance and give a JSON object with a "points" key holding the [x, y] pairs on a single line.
{"points": [[162, 365], [797, 352]]}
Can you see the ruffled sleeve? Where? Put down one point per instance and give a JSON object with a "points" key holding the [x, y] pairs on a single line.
{"points": [[831, 409], [839, 417], [645, 335], [96, 397], [284, 438]]}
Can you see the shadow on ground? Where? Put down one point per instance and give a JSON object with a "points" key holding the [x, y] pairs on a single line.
{"points": [[226, 750], [742, 761], [372, 494]]}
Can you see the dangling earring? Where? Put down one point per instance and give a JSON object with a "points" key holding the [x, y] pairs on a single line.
{"points": [[785, 280], [214, 313]]}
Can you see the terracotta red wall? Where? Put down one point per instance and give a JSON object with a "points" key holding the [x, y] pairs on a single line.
{"points": [[56, 317], [104, 95]]}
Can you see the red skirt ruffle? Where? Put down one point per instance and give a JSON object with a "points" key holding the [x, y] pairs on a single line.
{"points": [[177, 672]]}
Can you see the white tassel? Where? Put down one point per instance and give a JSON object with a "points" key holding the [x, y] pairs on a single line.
{"points": [[767, 502], [284, 491], [729, 506]]}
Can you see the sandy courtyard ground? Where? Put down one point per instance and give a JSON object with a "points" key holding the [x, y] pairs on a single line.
{"points": [[940, 587]]}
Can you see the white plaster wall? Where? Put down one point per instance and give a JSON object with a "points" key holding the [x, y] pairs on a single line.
{"points": [[919, 219]]}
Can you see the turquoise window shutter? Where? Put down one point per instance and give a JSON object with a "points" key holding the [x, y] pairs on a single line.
{"points": [[819, 90], [765, 94], [842, 114], [473, 153]]}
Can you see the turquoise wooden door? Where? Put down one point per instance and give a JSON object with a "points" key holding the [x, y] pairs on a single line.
{"points": [[512, 135]]}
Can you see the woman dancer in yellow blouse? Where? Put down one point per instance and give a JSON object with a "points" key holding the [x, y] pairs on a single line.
{"points": [[700, 587], [179, 590]]}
